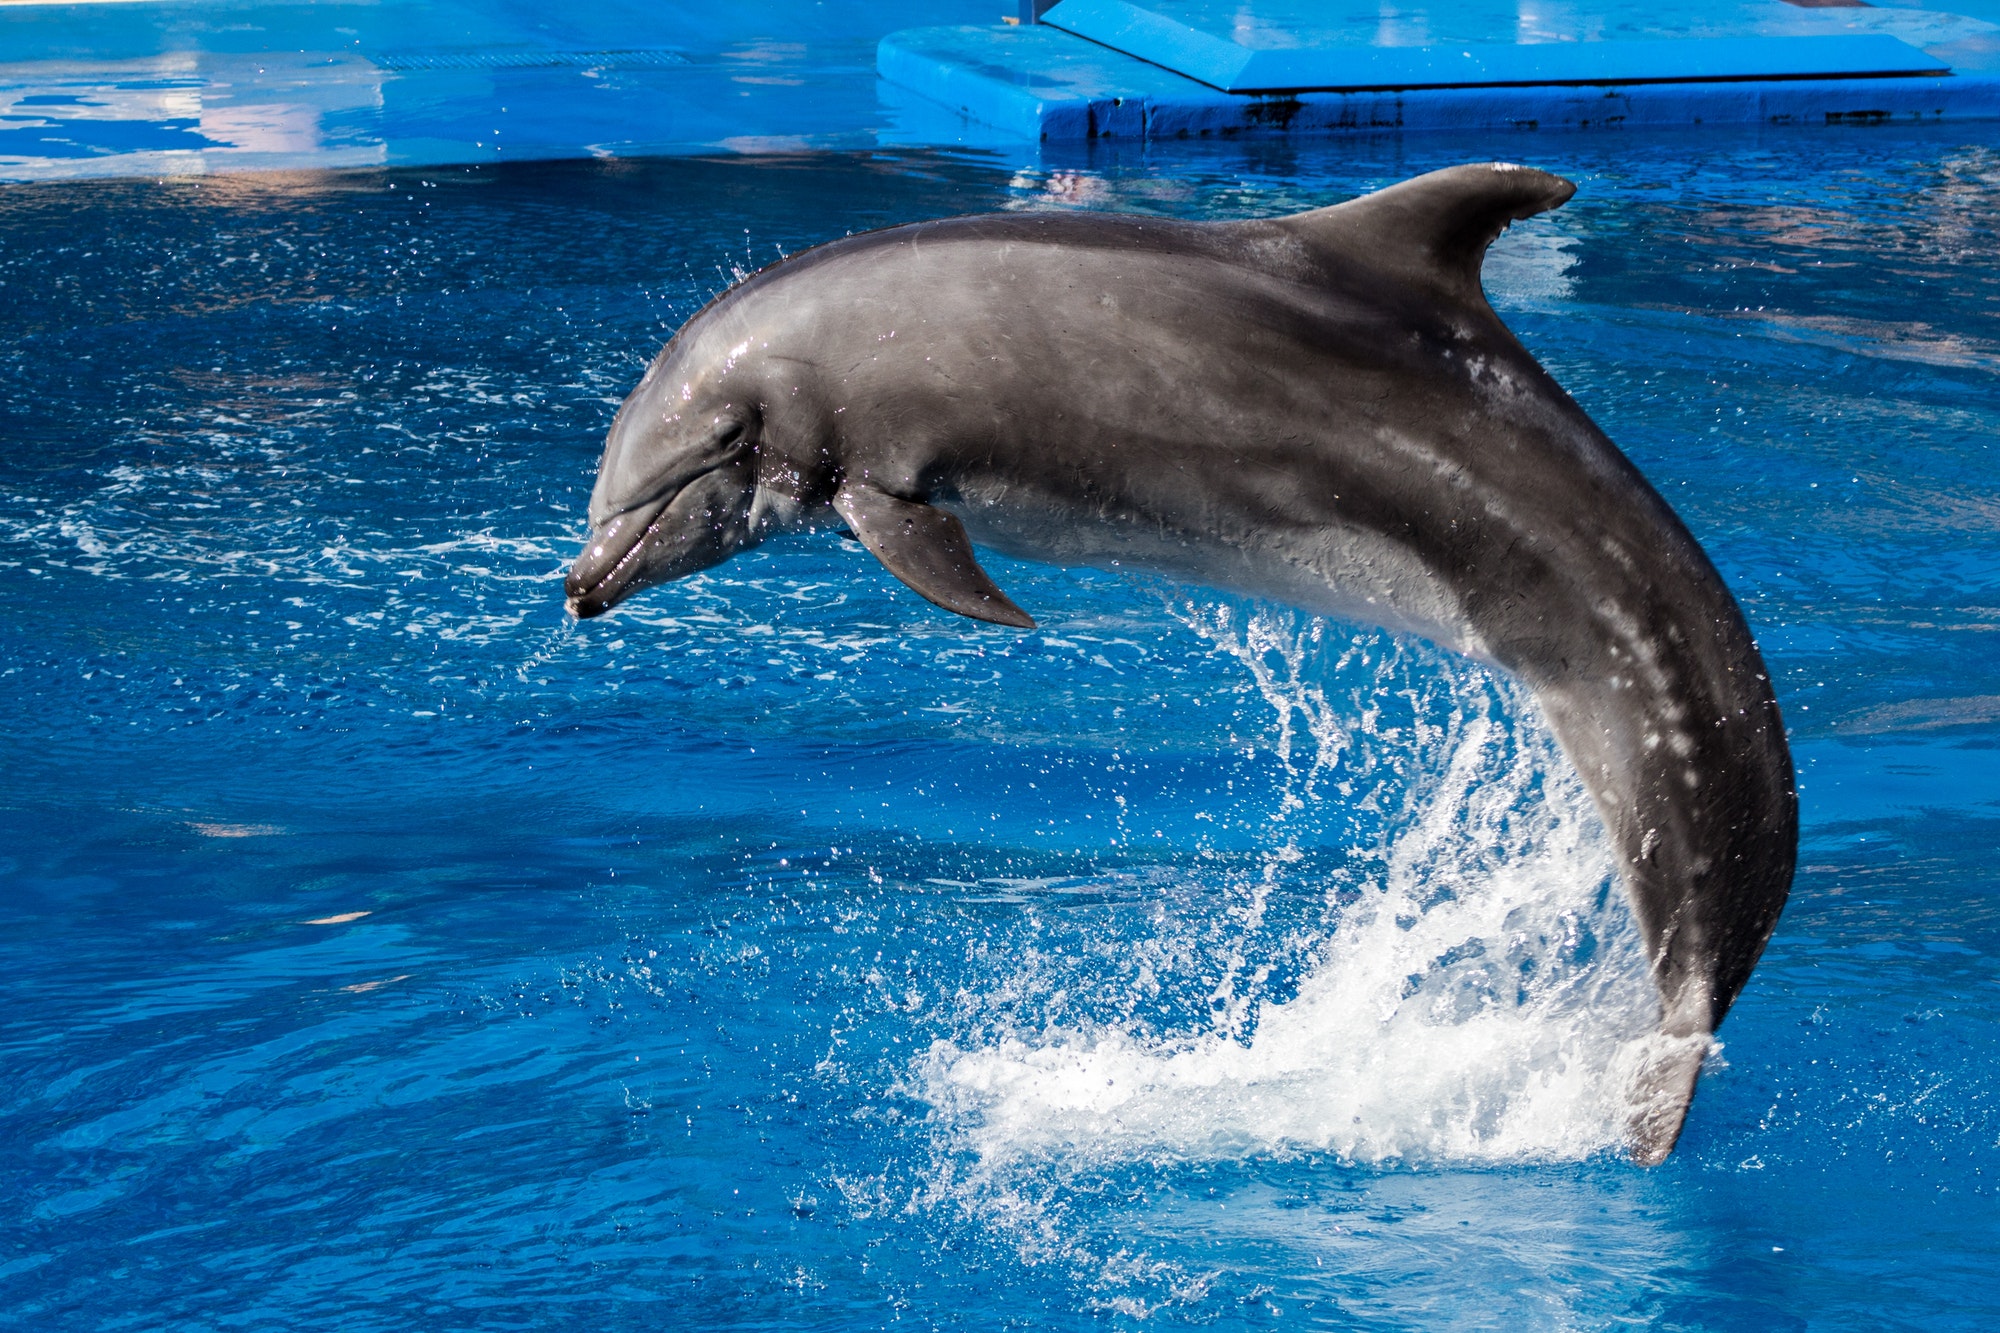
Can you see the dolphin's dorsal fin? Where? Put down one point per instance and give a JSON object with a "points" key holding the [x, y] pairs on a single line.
{"points": [[928, 549], [1432, 230]]}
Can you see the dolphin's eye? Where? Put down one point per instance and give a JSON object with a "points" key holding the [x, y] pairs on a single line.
{"points": [[726, 433]]}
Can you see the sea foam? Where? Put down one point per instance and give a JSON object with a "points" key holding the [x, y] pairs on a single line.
{"points": [[1482, 997]]}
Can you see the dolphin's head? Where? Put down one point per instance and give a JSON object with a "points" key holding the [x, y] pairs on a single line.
{"points": [[678, 482]]}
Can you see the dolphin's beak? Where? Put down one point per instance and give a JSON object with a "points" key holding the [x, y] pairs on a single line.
{"points": [[700, 525], [610, 561]]}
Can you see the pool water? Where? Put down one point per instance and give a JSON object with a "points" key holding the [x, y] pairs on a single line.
{"points": [[384, 949]]}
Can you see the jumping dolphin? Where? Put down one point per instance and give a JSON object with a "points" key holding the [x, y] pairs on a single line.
{"points": [[1321, 409]]}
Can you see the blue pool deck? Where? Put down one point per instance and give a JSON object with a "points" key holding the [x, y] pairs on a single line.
{"points": [[143, 87]]}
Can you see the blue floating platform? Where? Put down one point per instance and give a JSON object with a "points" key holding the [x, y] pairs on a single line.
{"points": [[1096, 69], [1233, 68]]}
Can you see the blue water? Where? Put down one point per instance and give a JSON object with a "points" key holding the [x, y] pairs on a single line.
{"points": [[383, 950]]}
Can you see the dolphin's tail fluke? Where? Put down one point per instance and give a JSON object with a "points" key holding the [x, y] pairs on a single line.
{"points": [[1661, 1089], [1676, 734]]}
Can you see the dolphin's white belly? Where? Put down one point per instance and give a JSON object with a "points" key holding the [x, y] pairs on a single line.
{"points": [[1336, 569]]}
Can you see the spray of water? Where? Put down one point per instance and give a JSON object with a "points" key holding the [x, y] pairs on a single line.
{"points": [[1480, 996]]}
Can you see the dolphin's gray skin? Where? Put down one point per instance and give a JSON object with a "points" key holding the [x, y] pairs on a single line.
{"points": [[1321, 409]]}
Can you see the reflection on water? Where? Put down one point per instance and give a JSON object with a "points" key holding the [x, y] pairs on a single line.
{"points": [[182, 112], [317, 86]]}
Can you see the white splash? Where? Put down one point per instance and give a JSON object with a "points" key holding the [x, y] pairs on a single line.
{"points": [[1484, 998]]}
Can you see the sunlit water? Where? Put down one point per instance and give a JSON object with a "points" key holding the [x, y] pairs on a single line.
{"points": [[384, 950]]}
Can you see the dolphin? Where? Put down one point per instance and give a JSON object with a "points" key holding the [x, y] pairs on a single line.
{"points": [[1321, 409]]}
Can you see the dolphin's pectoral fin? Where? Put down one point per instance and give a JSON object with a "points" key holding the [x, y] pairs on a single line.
{"points": [[1435, 228], [927, 549]]}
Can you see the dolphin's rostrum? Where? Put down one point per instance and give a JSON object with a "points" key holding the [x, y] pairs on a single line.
{"points": [[1321, 409]]}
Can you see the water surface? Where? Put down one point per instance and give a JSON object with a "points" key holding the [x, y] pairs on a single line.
{"points": [[384, 949]]}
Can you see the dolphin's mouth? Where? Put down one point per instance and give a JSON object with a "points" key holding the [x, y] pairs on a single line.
{"points": [[612, 559], [691, 528]]}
